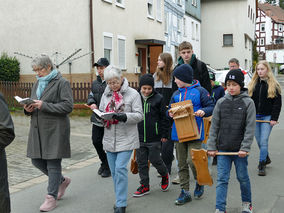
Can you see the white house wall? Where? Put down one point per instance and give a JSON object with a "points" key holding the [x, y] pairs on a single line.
{"points": [[33, 27], [275, 56], [226, 17], [130, 22]]}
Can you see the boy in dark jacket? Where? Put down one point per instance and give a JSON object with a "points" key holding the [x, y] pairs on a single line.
{"points": [[232, 130], [152, 131], [7, 135], [203, 105], [217, 90], [94, 99]]}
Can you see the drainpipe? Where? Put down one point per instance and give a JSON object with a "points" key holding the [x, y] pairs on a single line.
{"points": [[92, 38]]}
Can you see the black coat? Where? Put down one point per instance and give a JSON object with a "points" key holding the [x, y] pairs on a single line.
{"points": [[200, 73], [264, 105], [7, 135], [97, 90], [155, 124]]}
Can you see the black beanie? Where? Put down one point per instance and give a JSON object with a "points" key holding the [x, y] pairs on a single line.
{"points": [[184, 73], [146, 79], [237, 76]]}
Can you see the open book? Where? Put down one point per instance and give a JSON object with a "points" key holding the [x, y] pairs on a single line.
{"points": [[24, 100], [104, 115]]}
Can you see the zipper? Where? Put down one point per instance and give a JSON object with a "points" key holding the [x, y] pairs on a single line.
{"points": [[156, 125], [259, 104], [145, 110]]}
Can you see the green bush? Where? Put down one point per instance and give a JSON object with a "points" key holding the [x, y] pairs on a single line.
{"points": [[9, 68]]}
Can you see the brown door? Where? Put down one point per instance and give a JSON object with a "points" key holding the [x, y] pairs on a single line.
{"points": [[154, 52], [142, 60]]}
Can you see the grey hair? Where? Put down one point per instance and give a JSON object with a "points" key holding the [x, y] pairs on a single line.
{"points": [[111, 72], [234, 60], [42, 61]]}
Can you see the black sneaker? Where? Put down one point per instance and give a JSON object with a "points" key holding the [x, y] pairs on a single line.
{"points": [[106, 173], [101, 169], [141, 191], [268, 160], [165, 183]]}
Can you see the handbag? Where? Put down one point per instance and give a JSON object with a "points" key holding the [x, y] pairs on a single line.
{"points": [[134, 164]]}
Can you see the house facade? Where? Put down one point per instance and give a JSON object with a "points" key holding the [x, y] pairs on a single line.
{"points": [[129, 33], [269, 33], [228, 29], [192, 25], [173, 29]]}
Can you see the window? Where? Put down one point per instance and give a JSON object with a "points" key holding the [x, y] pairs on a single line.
{"points": [[166, 21], [246, 42], [246, 64], [194, 3], [108, 47], [120, 3], [262, 41], [159, 11], [108, 1], [248, 10], [227, 40], [197, 32], [280, 27], [184, 27], [179, 2], [121, 52], [150, 8], [192, 31], [262, 27], [179, 24]]}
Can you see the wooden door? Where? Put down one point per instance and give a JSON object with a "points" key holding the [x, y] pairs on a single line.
{"points": [[154, 52]]}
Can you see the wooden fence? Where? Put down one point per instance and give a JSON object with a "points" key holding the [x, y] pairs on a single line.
{"points": [[11, 89]]}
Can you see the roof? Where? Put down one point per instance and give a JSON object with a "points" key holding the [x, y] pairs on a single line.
{"points": [[276, 13]]}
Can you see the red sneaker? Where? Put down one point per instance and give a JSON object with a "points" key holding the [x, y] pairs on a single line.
{"points": [[165, 183], [142, 190]]}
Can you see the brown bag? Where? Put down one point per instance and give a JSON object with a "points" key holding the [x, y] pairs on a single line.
{"points": [[134, 164]]}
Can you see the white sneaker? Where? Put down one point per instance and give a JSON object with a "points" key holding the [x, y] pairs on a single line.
{"points": [[176, 180], [247, 207], [218, 211]]}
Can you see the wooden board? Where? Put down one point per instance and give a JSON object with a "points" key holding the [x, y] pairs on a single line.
{"points": [[200, 161], [207, 125]]}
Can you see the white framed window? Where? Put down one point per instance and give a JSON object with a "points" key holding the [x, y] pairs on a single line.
{"points": [[150, 8], [227, 40], [261, 41], [280, 27], [108, 46], [192, 31], [108, 1], [194, 3], [159, 10], [120, 3], [246, 42], [196, 32], [179, 2], [166, 17], [121, 47], [179, 24], [262, 27], [184, 27]]}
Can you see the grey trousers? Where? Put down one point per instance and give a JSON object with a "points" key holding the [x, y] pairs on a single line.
{"points": [[152, 152], [51, 168], [185, 161]]}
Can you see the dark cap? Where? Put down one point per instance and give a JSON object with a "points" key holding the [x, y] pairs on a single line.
{"points": [[146, 79], [184, 73], [102, 62], [236, 76]]}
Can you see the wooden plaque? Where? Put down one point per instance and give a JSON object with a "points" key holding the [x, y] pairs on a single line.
{"points": [[185, 122], [207, 124]]}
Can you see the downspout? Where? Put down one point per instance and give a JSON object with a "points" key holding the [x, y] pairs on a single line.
{"points": [[92, 39]]}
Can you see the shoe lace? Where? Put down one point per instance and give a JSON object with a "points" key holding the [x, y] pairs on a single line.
{"points": [[141, 188]]}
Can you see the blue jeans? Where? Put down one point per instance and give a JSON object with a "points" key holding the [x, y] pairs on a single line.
{"points": [[224, 165], [118, 162], [262, 132]]}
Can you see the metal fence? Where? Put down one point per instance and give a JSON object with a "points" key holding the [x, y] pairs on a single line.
{"points": [[11, 89]]}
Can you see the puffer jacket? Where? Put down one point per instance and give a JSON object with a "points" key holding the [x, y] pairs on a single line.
{"points": [[123, 136]]}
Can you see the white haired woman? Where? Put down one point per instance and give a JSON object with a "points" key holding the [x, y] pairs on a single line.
{"points": [[121, 133], [49, 137]]}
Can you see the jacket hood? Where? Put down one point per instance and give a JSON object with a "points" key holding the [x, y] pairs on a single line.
{"points": [[243, 94], [194, 84]]}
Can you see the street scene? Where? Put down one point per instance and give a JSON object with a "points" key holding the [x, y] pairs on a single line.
{"points": [[142, 106]]}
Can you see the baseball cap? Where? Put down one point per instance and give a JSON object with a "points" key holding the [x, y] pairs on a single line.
{"points": [[102, 62]]}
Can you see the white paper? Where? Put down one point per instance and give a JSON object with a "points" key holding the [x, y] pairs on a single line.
{"points": [[104, 115], [24, 100]]}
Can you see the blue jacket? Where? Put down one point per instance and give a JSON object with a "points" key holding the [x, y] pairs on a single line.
{"points": [[217, 92], [200, 98]]}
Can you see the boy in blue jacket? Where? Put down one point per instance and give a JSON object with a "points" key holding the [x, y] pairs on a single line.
{"points": [[152, 131], [189, 89]]}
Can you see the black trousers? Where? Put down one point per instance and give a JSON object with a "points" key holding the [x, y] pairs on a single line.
{"points": [[168, 154], [4, 188], [97, 137], [152, 152]]}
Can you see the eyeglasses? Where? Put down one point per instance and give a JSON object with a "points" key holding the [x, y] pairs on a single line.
{"points": [[38, 69], [113, 83]]}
